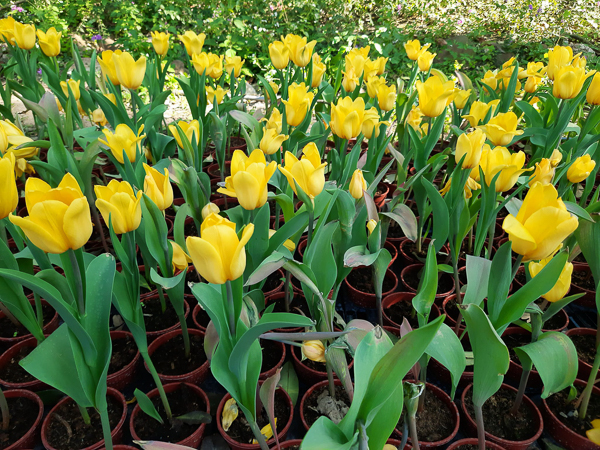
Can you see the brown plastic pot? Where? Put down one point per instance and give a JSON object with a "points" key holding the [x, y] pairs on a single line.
{"points": [[407, 258], [152, 335], [287, 444], [12, 352], [196, 319], [123, 378], [396, 297], [308, 375], [589, 297], [562, 434], [279, 287], [367, 299], [515, 370], [235, 445], [194, 439], [473, 441], [220, 202], [280, 297], [452, 410], [116, 433], [413, 270], [122, 447], [451, 321], [29, 438], [315, 387], [196, 376], [583, 373], [393, 252], [383, 190], [269, 373], [214, 171], [47, 329], [471, 426]]}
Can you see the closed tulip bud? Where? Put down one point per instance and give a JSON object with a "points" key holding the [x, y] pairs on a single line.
{"points": [[249, 178], [158, 187], [501, 130], [563, 284], [300, 50], [180, 259], [556, 157], [190, 129], [49, 41], [73, 85], [271, 141], [470, 146], [371, 123], [593, 93], [414, 49], [580, 169], [193, 42], [435, 95], [287, 244], [129, 71], [160, 42], [208, 64], [500, 160], [347, 117], [479, 110], [541, 224], [373, 84], [532, 84], [210, 208], [544, 172], [117, 202], [318, 70], [313, 350], [107, 65], [425, 60], [7, 30], [123, 140], [350, 80], [275, 121], [357, 184], [381, 62], [298, 104], [308, 172], [25, 35], [558, 58], [234, 64], [386, 97], [218, 255], [461, 99], [371, 225], [9, 195], [568, 81], [219, 93], [59, 219], [279, 54]]}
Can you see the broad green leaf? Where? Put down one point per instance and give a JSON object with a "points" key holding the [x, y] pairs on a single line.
{"points": [[441, 225], [428, 285], [289, 381], [478, 275], [448, 351], [147, 406], [324, 434], [499, 281]]}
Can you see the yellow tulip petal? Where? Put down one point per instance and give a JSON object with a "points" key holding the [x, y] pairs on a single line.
{"points": [[247, 190], [522, 241], [77, 223], [238, 261], [207, 260]]}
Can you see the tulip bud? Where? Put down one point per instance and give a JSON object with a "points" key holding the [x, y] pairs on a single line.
{"points": [[49, 41], [461, 99], [298, 104], [386, 97], [25, 35], [347, 117], [210, 208], [160, 42], [556, 157], [313, 350], [593, 93], [435, 95], [562, 285], [158, 187], [234, 64], [193, 43], [371, 225], [580, 169], [425, 60], [357, 184], [118, 204], [471, 145], [308, 172], [129, 71], [271, 141], [280, 54], [318, 70], [180, 257]]}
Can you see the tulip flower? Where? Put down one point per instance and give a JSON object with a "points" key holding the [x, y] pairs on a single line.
{"points": [[581, 169], [180, 259], [7, 30], [73, 85], [59, 219], [568, 81], [208, 63], [298, 104], [49, 41], [160, 42], [381, 62], [435, 95], [280, 54], [373, 84], [219, 93], [274, 86], [287, 244], [414, 118], [9, 195], [470, 185], [218, 255], [107, 65], [98, 117], [193, 42], [532, 84], [300, 49], [471, 145], [158, 187], [371, 123], [234, 64], [357, 184], [318, 70], [535, 69], [371, 225], [347, 117], [558, 58], [425, 60], [350, 80], [593, 93], [563, 284], [594, 434], [541, 224], [386, 97], [556, 157], [356, 59], [190, 129], [370, 68], [461, 99], [123, 140], [117, 202], [544, 172], [271, 141], [210, 208], [501, 129], [129, 71], [249, 178], [313, 350], [500, 160], [25, 35], [490, 80], [308, 172], [414, 49], [479, 110], [275, 121]]}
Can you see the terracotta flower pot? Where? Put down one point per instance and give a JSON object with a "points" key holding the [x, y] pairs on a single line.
{"points": [[152, 335], [221, 200], [281, 349], [15, 351], [288, 444], [280, 297], [413, 270], [508, 445], [235, 445], [397, 297], [473, 441], [515, 370], [408, 258], [315, 387], [589, 298], [396, 443], [214, 171], [307, 374], [29, 439], [279, 287], [196, 376], [199, 316], [393, 251], [116, 433], [583, 373], [47, 329], [565, 321], [194, 439], [450, 320], [123, 377], [367, 299], [379, 199]]}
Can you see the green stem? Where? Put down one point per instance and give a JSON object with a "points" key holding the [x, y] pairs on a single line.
{"points": [[185, 334], [4, 411], [286, 290], [161, 297], [480, 427], [311, 219], [3, 234], [491, 232], [108, 444], [259, 436], [84, 414], [158, 383], [78, 281], [231, 309], [521, 391], [134, 107], [39, 312], [516, 265], [587, 392], [412, 425], [330, 379]]}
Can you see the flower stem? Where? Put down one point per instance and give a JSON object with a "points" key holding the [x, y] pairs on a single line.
{"points": [[159, 385], [230, 308], [84, 414], [311, 219], [78, 280], [4, 412], [108, 444], [480, 427], [258, 435], [587, 392]]}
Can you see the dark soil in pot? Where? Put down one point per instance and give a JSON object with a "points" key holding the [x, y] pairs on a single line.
{"points": [[515, 340], [154, 318], [394, 231], [473, 447], [399, 310], [567, 413], [583, 279], [419, 257], [435, 423], [13, 372], [201, 317], [298, 304], [123, 351], [361, 278], [586, 347], [273, 282], [83, 435], [23, 415], [9, 330], [445, 282], [170, 359], [319, 403], [271, 354]]}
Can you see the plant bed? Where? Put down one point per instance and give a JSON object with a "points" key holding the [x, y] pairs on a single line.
{"points": [[124, 360], [183, 398], [360, 286], [159, 322], [26, 411], [312, 372], [410, 277], [55, 434], [11, 333], [398, 306], [584, 340], [12, 375], [273, 357], [317, 402]]}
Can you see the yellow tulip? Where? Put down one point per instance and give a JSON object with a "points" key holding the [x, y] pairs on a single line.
{"points": [[460, 101], [593, 93], [193, 42], [218, 255], [98, 117], [180, 258], [271, 141], [479, 110], [279, 54], [563, 284], [9, 195], [313, 350], [249, 178], [425, 60], [25, 35], [500, 160], [129, 71], [123, 140], [275, 121], [117, 202], [414, 118], [356, 59], [49, 41], [350, 80], [308, 171], [370, 69], [532, 84], [298, 104], [535, 69], [287, 244], [435, 95], [208, 63], [556, 157], [490, 80], [371, 123], [59, 219], [160, 42], [470, 185], [7, 30], [300, 49], [568, 81], [74, 85], [210, 208], [580, 169], [541, 224], [357, 184], [544, 172], [386, 97], [266, 431], [158, 187], [373, 84], [371, 225], [381, 62], [190, 129], [8, 131], [471, 145], [347, 117], [234, 64], [219, 93], [558, 58], [318, 70], [594, 434], [414, 49], [274, 86], [107, 64], [501, 129]]}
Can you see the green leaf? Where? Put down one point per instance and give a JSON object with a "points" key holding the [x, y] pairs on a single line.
{"points": [[194, 417], [147, 406], [324, 434], [289, 381], [478, 275], [267, 397], [446, 348], [405, 217], [499, 282], [167, 283], [578, 211], [428, 285], [441, 222]]}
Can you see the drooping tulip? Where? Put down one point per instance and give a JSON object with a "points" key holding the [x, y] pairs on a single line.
{"points": [[298, 103], [49, 41], [501, 129], [158, 187], [117, 202], [581, 169], [347, 117], [129, 71], [308, 171], [123, 140]]}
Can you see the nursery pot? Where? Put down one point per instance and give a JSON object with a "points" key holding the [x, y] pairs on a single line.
{"points": [[515, 369], [152, 335], [397, 297], [471, 426], [413, 270], [451, 321], [589, 298], [396, 443], [279, 286], [279, 297], [407, 257], [29, 438], [116, 433], [199, 316], [47, 329], [473, 441], [307, 374], [14, 354], [288, 444], [124, 376], [393, 251], [367, 299], [280, 348], [304, 402], [585, 368]]}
